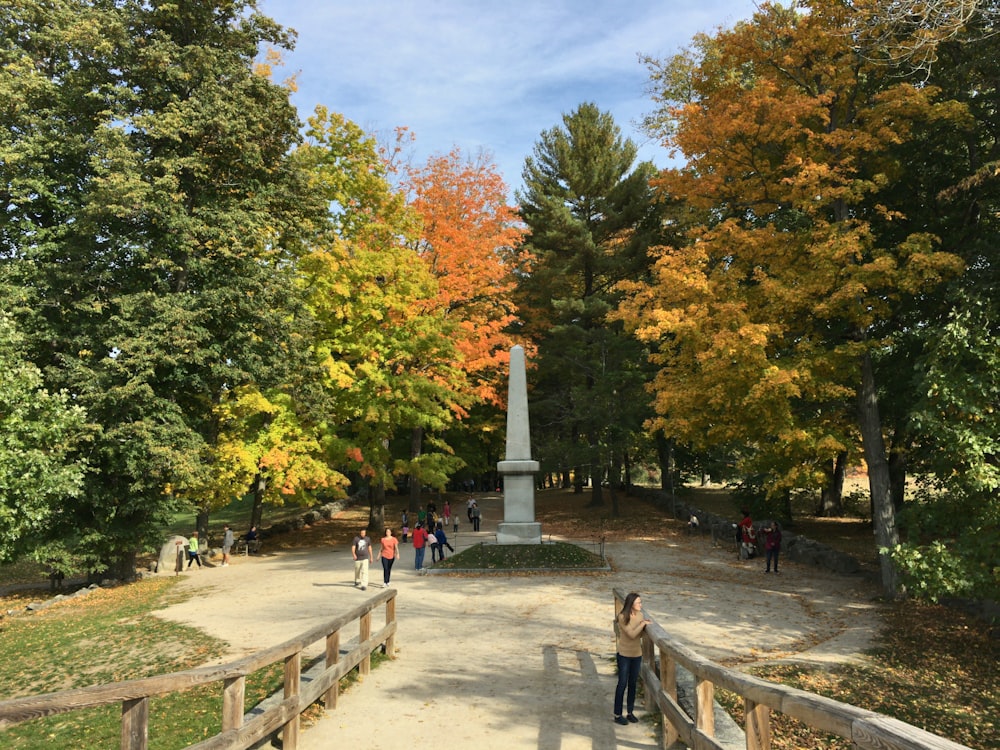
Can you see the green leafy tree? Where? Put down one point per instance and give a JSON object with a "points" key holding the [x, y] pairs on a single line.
{"points": [[41, 469], [386, 348], [149, 192], [591, 216]]}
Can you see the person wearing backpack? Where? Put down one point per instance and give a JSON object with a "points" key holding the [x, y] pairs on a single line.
{"points": [[361, 551]]}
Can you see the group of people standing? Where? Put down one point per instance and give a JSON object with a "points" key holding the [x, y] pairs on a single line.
{"points": [[746, 541], [195, 547]]}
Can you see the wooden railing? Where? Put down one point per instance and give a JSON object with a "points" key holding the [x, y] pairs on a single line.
{"points": [[238, 732], [662, 655]]}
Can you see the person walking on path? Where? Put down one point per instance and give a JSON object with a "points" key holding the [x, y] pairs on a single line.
{"points": [[227, 544], [772, 545], [419, 546], [193, 555], [629, 625], [477, 516], [446, 513], [435, 545], [361, 551], [468, 508], [442, 541], [388, 552]]}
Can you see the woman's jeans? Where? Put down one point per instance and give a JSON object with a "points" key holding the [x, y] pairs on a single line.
{"points": [[628, 676], [387, 568]]}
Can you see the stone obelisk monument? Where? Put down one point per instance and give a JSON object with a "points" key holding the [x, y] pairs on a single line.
{"points": [[517, 468]]}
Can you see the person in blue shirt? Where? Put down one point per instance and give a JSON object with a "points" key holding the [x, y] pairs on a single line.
{"points": [[440, 543]]}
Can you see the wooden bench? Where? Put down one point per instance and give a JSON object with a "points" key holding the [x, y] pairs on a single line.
{"points": [[248, 548]]}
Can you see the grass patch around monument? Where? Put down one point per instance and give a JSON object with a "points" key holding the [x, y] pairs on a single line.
{"points": [[528, 557], [111, 635]]}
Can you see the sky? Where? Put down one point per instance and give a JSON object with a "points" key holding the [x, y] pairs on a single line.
{"points": [[486, 75]]}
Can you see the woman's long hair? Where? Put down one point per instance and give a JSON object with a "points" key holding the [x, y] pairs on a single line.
{"points": [[626, 612]]}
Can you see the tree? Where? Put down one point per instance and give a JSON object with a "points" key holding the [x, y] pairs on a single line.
{"points": [[467, 239], [776, 311], [910, 33], [387, 350], [41, 468], [590, 215], [149, 195]]}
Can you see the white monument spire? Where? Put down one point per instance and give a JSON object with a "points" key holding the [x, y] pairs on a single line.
{"points": [[518, 469]]}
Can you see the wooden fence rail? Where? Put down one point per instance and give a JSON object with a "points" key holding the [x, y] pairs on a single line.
{"points": [[662, 655], [237, 732]]}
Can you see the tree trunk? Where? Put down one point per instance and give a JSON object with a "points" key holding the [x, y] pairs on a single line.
{"points": [[578, 480], [122, 568], [627, 460], [831, 500], [258, 488], [883, 512], [201, 525], [376, 511], [897, 478], [416, 447], [665, 457], [613, 481]]}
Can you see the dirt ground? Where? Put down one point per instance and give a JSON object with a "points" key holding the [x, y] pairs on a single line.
{"points": [[526, 661]]}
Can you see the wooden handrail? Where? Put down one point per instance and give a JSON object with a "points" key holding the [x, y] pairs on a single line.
{"points": [[868, 730], [134, 695]]}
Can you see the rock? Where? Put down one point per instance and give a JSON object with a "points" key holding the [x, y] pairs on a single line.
{"points": [[167, 560]]}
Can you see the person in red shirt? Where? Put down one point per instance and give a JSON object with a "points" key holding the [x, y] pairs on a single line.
{"points": [[419, 546], [746, 540]]}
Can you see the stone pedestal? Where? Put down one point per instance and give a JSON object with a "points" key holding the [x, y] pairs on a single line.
{"points": [[518, 469]]}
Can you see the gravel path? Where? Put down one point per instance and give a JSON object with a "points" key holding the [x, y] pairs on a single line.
{"points": [[527, 662]]}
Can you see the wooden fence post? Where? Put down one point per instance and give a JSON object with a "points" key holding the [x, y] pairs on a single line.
{"points": [[365, 667], [332, 657], [648, 653], [135, 724], [233, 697], [668, 684], [293, 672], [704, 706], [390, 617], [758, 725]]}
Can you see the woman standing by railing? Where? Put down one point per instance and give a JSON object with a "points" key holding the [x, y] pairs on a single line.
{"points": [[629, 625]]}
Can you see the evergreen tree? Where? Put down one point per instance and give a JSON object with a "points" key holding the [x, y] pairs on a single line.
{"points": [[590, 215]]}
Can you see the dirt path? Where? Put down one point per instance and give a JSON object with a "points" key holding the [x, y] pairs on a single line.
{"points": [[509, 662]]}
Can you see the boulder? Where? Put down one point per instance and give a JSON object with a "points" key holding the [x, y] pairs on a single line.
{"points": [[167, 560]]}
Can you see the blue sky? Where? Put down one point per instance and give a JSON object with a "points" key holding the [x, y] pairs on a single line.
{"points": [[486, 75]]}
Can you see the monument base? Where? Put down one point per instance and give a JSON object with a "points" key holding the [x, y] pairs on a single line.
{"points": [[519, 533]]}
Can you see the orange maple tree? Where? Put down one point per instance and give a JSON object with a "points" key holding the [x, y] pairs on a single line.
{"points": [[469, 233]]}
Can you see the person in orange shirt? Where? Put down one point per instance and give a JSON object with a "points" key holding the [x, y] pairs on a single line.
{"points": [[387, 553]]}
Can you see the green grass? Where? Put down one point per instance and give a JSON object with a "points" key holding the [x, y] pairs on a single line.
{"points": [[109, 636], [548, 556]]}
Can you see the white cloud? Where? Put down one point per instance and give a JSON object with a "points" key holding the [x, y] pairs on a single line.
{"points": [[486, 75]]}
